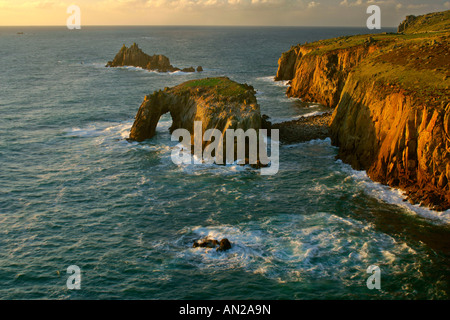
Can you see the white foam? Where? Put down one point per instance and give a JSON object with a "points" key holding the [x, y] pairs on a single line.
{"points": [[153, 72], [97, 129], [325, 142], [393, 195], [292, 247], [305, 115], [271, 79]]}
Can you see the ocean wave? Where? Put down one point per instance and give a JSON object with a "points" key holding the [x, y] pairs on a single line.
{"points": [[120, 130], [393, 195], [291, 248], [139, 69], [271, 79], [98, 129], [305, 115], [325, 142]]}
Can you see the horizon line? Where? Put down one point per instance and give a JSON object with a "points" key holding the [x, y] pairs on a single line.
{"points": [[195, 25]]}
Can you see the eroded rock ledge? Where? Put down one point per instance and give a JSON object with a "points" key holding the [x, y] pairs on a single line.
{"points": [[304, 128], [392, 104], [135, 57]]}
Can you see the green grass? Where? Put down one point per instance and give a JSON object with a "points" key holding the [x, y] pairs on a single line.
{"points": [[324, 46], [208, 82], [431, 22], [222, 86]]}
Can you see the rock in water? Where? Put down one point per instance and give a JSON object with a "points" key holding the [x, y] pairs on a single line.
{"points": [[190, 69], [223, 245], [219, 103], [135, 57], [205, 243]]}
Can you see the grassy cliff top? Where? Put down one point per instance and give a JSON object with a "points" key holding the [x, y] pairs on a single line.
{"points": [[219, 87], [416, 62], [431, 22], [381, 40], [427, 27]]}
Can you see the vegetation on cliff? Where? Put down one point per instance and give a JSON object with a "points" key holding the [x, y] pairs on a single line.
{"points": [[219, 103], [391, 98], [436, 21]]}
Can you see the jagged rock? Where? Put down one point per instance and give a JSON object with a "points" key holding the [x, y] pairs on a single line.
{"points": [[205, 243], [135, 57], [405, 23], [199, 69], [190, 69], [224, 245], [369, 41], [431, 22]]}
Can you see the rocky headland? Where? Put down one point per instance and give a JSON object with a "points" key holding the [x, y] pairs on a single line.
{"points": [[135, 57], [219, 103], [391, 101]]}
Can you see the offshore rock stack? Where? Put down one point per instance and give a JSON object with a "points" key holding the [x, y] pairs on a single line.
{"points": [[135, 57]]}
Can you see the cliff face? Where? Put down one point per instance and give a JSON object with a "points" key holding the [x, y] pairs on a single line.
{"points": [[398, 139], [218, 103], [392, 106], [134, 56], [319, 76]]}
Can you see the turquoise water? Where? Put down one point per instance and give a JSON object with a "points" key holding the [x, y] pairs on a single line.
{"points": [[73, 191]]}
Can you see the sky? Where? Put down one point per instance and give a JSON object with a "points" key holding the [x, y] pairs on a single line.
{"points": [[213, 12]]}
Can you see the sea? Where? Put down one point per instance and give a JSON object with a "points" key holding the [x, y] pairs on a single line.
{"points": [[75, 192]]}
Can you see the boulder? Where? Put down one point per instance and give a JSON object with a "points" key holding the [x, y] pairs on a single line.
{"points": [[224, 245], [207, 242], [190, 69]]}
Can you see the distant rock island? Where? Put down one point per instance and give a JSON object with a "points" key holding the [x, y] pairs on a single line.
{"points": [[135, 57], [390, 94], [219, 103]]}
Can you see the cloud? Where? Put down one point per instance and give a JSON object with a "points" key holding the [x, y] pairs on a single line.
{"points": [[345, 3], [417, 6], [37, 4], [313, 4]]}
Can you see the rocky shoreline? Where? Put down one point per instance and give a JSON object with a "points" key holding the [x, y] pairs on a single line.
{"points": [[390, 95], [304, 128]]}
